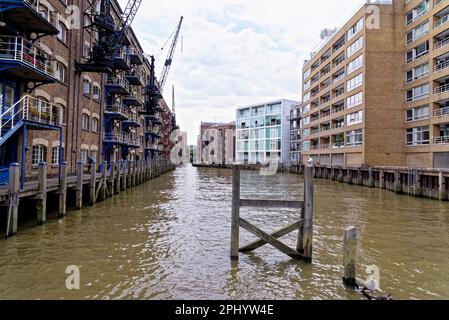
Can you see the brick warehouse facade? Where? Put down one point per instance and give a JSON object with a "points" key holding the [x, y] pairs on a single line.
{"points": [[375, 91], [93, 115]]}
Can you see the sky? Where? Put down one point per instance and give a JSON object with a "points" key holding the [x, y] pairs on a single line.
{"points": [[234, 52]]}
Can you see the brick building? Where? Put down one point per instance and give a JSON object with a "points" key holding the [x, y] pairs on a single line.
{"points": [[53, 109], [208, 133], [375, 92]]}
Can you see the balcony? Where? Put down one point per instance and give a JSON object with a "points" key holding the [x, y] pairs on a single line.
{"points": [[442, 112], [121, 61], [116, 111], [28, 16], [337, 145], [442, 66], [114, 138], [134, 78], [441, 44], [444, 19], [117, 85], [132, 100], [135, 57], [133, 120], [153, 147], [131, 141], [20, 59], [441, 89], [441, 140]]}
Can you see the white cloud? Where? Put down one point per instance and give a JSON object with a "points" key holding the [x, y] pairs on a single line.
{"points": [[235, 52]]}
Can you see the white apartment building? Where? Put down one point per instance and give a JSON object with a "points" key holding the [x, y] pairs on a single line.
{"points": [[263, 130]]}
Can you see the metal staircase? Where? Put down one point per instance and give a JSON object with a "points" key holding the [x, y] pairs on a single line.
{"points": [[30, 109]]}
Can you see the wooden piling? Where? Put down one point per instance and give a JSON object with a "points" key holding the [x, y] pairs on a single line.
{"points": [[235, 221], [93, 180], [41, 198], [371, 182], [349, 256], [13, 197], [112, 179], [441, 187], [125, 175], [308, 213], [103, 190], [118, 177], [63, 189], [382, 179], [79, 185], [397, 182]]}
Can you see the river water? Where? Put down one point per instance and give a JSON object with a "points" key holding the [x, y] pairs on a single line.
{"points": [[170, 239]]}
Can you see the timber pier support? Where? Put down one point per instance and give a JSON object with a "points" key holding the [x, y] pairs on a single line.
{"points": [[100, 182], [426, 183]]}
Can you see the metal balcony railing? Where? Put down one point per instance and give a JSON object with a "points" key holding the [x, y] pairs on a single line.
{"points": [[441, 89], [442, 66], [21, 50], [118, 81], [441, 21], [116, 108], [441, 112], [31, 109], [441, 140], [40, 7]]}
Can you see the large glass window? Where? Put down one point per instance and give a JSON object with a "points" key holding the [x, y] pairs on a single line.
{"points": [[418, 113], [38, 154], [354, 138], [418, 136]]}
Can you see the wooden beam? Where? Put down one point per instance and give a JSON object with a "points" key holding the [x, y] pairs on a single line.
{"points": [[93, 181], [308, 213], [270, 240], [235, 223], [41, 204], [63, 189], [349, 256], [13, 199], [278, 234], [79, 185], [271, 204]]}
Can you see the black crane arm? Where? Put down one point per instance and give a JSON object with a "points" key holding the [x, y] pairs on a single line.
{"points": [[171, 53]]}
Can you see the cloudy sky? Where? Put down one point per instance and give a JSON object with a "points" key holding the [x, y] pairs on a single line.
{"points": [[235, 52]]}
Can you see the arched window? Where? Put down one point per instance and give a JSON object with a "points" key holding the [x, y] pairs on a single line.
{"points": [[95, 123], [58, 111], [84, 153], [85, 122], [39, 154]]}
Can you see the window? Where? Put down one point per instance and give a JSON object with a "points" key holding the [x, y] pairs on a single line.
{"points": [[417, 12], [83, 154], [306, 97], [417, 72], [307, 85], [356, 46], [62, 35], [86, 86], [306, 121], [354, 118], [306, 109], [355, 29], [85, 122], [418, 136], [307, 74], [354, 100], [354, 138], [355, 64], [60, 114], [417, 93], [355, 82], [94, 154], [61, 72], [55, 155], [96, 92], [38, 154], [417, 32], [95, 124], [417, 52], [418, 113]]}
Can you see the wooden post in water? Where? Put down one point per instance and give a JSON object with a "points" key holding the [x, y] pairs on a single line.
{"points": [[371, 182], [103, 190], [63, 189], [397, 182], [125, 175], [79, 185], [112, 179], [41, 204], [235, 221], [118, 177], [382, 179], [349, 256], [441, 187], [93, 180], [417, 190], [13, 199], [308, 213]]}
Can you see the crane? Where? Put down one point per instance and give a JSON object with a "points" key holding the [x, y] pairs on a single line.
{"points": [[103, 53], [155, 88]]}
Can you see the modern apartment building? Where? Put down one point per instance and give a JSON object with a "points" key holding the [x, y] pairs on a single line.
{"points": [[295, 133], [263, 130], [58, 103], [377, 91]]}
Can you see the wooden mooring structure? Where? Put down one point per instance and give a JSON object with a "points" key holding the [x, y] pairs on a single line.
{"points": [[426, 183], [91, 183], [304, 225]]}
